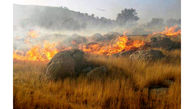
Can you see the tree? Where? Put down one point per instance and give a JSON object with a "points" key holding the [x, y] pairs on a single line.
{"points": [[127, 15], [172, 22], [155, 23], [92, 15]]}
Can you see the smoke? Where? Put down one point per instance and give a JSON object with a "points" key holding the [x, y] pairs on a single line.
{"points": [[59, 24], [56, 18], [171, 22], [155, 24]]}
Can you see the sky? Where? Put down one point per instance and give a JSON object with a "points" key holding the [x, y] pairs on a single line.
{"points": [[146, 9]]}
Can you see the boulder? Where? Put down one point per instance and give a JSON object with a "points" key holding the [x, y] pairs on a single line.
{"points": [[163, 41], [76, 39], [111, 35], [97, 73], [97, 37], [147, 55], [67, 63], [125, 53], [158, 90]]}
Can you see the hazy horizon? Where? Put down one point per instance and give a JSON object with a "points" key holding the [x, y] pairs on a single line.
{"points": [[110, 8]]}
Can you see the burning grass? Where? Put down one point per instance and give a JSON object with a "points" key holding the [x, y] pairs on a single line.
{"points": [[48, 50], [130, 84], [127, 86], [170, 31], [122, 43]]}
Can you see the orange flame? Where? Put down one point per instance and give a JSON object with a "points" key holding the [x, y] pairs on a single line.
{"points": [[122, 44], [73, 42], [32, 34], [48, 50], [170, 31], [37, 53], [27, 41]]}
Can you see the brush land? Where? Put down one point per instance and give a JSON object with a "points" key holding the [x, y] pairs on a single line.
{"points": [[131, 84], [128, 83]]}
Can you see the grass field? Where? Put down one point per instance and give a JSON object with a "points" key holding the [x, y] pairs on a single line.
{"points": [[128, 86]]}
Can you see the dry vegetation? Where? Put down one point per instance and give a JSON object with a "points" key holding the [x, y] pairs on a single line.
{"points": [[128, 86]]}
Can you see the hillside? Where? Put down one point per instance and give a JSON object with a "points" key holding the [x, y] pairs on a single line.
{"points": [[56, 18]]}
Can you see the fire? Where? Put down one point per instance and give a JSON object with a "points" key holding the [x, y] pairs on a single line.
{"points": [[122, 44], [48, 50], [37, 53], [73, 42], [32, 34], [170, 31], [27, 41]]}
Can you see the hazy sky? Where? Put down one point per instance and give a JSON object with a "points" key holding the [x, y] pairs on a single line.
{"points": [[146, 9]]}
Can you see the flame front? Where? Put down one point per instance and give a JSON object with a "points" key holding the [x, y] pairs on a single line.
{"points": [[37, 53], [170, 31], [122, 44], [48, 50]]}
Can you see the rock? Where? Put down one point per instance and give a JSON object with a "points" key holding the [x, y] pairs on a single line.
{"points": [[73, 40], [77, 39], [65, 64], [165, 42], [156, 93], [97, 73], [147, 55], [125, 53], [111, 35], [160, 84], [97, 37], [87, 69], [158, 90], [106, 37]]}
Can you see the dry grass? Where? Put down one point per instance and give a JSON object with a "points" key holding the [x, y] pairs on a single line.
{"points": [[126, 88]]}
